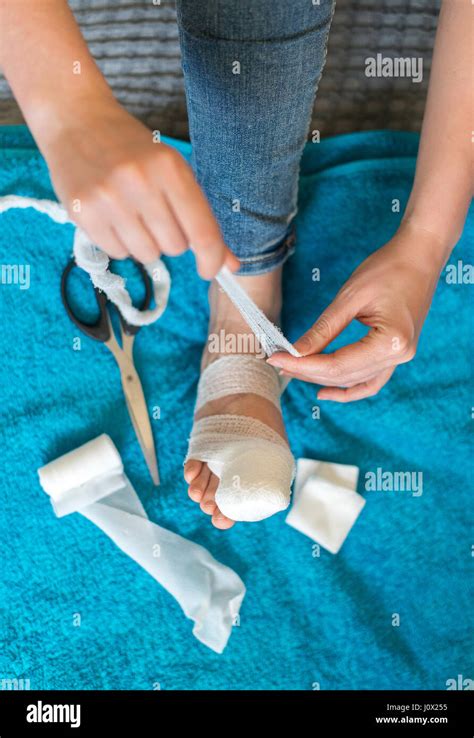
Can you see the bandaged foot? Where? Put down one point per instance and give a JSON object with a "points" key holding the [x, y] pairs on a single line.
{"points": [[239, 466]]}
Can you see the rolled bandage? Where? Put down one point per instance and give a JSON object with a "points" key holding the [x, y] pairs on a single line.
{"points": [[83, 476], [254, 464], [91, 480]]}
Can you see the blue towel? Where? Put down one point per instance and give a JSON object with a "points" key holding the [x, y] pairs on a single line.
{"points": [[78, 614]]}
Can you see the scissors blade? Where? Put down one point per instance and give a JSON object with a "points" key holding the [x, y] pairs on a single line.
{"points": [[138, 411]]}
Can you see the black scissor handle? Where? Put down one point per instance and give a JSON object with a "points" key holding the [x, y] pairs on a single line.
{"points": [[132, 330], [100, 330]]}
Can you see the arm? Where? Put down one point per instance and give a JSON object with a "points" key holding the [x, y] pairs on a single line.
{"points": [[130, 194], [444, 179], [391, 291]]}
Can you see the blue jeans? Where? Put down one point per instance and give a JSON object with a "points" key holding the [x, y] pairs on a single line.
{"points": [[251, 71]]}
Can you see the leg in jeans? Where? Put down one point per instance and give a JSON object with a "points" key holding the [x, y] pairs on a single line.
{"points": [[251, 72]]}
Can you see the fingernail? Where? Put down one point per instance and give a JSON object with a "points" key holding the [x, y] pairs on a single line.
{"points": [[303, 344]]}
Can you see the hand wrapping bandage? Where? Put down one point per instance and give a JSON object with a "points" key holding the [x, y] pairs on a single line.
{"points": [[91, 480], [253, 462]]}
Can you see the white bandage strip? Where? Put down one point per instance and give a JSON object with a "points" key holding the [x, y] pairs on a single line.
{"points": [[271, 338], [96, 263], [223, 428], [91, 480], [254, 464]]}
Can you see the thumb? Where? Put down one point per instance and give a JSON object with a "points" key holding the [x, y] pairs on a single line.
{"points": [[329, 325]]}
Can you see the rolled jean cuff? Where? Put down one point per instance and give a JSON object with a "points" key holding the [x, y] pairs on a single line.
{"points": [[273, 258]]}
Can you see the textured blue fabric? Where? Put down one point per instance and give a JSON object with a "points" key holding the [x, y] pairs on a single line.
{"points": [[306, 619]]}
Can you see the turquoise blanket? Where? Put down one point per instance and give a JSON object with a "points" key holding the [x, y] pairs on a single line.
{"points": [[390, 611]]}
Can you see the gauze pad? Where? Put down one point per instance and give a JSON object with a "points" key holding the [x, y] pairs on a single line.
{"points": [[325, 503], [91, 480], [253, 462]]}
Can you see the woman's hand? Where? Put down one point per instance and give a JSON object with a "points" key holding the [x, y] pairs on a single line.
{"points": [[391, 292], [130, 195]]}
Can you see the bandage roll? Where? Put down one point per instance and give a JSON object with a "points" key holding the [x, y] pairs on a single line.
{"points": [[91, 481], [83, 476]]}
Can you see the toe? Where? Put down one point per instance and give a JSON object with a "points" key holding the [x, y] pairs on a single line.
{"points": [[199, 485], [220, 521], [191, 470], [208, 501]]}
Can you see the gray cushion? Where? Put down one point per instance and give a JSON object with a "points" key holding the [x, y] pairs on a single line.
{"points": [[136, 45]]}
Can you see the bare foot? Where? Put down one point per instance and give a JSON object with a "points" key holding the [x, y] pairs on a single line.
{"points": [[228, 333]]}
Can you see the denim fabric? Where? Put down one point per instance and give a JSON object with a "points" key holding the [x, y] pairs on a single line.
{"points": [[251, 72]]}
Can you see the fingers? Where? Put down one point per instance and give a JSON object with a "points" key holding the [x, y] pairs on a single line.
{"points": [[351, 381], [100, 231], [357, 361], [128, 229], [359, 391], [329, 324], [161, 224], [153, 205], [108, 240], [197, 221], [231, 261], [134, 232]]}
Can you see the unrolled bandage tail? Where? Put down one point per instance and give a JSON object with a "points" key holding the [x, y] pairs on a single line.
{"points": [[253, 462], [91, 480]]}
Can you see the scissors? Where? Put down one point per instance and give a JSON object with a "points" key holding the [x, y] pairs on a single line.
{"points": [[102, 330]]}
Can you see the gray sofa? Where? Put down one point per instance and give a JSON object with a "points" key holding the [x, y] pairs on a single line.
{"points": [[136, 45]]}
